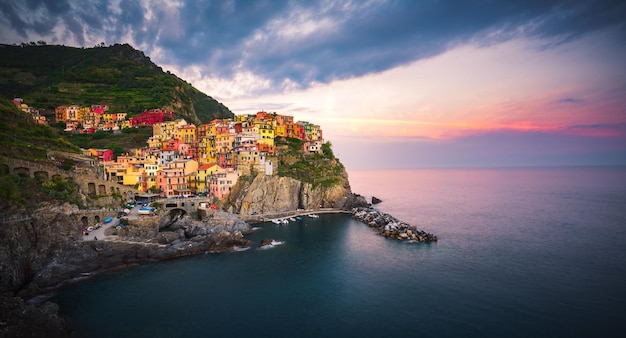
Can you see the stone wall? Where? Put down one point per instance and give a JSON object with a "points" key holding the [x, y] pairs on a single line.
{"points": [[139, 229], [89, 183]]}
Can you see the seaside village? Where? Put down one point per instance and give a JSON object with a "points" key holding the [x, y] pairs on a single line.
{"points": [[182, 159]]}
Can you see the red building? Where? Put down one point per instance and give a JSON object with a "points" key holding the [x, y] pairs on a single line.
{"points": [[150, 117], [105, 155]]}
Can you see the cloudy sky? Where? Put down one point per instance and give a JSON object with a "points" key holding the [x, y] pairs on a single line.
{"points": [[424, 83]]}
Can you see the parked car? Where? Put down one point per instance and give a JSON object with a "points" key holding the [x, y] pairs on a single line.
{"points": [[108, 220], [90, 229]]}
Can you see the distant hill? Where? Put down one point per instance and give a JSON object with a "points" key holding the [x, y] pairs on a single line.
{"points": [[119, 76]]}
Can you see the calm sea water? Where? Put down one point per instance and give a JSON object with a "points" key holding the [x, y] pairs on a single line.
{"points": [[521, 253]]}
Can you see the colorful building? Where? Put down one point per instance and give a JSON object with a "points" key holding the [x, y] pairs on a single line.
{"points": [[151, 117], [203, 177], [222, 182], [171, 181]]}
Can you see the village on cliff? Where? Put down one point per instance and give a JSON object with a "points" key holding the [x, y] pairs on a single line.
{"points": [[180, 158]]}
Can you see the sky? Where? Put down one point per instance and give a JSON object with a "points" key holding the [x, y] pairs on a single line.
{"points": [[393, 84]]}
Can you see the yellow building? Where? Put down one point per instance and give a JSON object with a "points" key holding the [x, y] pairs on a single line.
{"points": [[280, 131], [75, 113], [187, 134], [203, 177], [206, 149], [224, 142], [91, 120], [150, 177], [133, 176], [167, 130], [266, 133]]}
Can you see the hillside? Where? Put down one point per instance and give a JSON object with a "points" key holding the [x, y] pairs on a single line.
{"points": [[21, 137], [118, 76]]}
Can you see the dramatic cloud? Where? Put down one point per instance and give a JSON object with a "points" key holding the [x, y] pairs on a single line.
{"points": [[302, 43], [446, 78]]}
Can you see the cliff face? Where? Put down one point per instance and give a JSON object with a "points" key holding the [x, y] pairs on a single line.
{"points": [[41, 243], [275, 194]]}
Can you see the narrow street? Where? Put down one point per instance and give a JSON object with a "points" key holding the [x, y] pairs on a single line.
{"points": [[99, 233]]}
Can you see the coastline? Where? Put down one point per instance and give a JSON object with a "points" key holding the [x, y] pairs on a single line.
{"points": [[110, 254], [256, 219], [116, 254]]}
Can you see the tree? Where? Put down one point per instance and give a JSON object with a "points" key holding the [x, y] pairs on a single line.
{"points": [[327, 150], [68, 163]]}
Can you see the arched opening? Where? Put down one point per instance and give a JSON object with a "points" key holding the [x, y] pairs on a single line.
{"points": [[102, 190], [21, 171], [97, 218], [85, 221], [41, 175], [4, 169], [91, 189]]}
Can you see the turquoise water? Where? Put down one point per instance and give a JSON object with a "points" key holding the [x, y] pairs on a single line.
{"points": [[522, 252]]}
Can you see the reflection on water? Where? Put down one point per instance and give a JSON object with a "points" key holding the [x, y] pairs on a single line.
{"points": [[521, 252]]}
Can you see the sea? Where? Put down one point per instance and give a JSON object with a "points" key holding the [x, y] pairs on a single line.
{"points": [[522, 252]]}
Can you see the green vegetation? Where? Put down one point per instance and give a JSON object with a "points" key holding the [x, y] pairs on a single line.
{"points": [[18, 190], [21, 137], [318, 169], [120, 143], [118, 76]]}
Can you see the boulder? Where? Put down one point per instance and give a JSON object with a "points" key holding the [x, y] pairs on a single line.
{"points": [[390, 227], [376, 200], [266, 242]]}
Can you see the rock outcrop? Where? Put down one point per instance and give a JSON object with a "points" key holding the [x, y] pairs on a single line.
{"points": [[19, 319], [390, 227], [47, 250], [275, 194]]}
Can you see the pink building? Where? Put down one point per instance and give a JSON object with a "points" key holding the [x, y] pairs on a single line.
{"points": [[222, 182], [170, 181]]}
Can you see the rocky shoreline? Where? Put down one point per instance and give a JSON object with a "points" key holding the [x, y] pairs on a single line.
{"points": [[390, 227], [50, 253], [74, 259]]}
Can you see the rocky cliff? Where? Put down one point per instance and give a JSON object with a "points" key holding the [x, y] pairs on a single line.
{"points": [[45, 249], [267, 194]]}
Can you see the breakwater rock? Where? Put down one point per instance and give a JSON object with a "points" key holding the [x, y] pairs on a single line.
{"points": [[389, 226]]}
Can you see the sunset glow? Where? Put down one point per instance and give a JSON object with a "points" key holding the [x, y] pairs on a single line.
{"points": [[391, 72]]}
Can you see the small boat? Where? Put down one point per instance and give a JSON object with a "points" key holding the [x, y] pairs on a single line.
{"points": [[285, 221], [313, 216], [298, 218], [292, 219], [276, 221]]}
